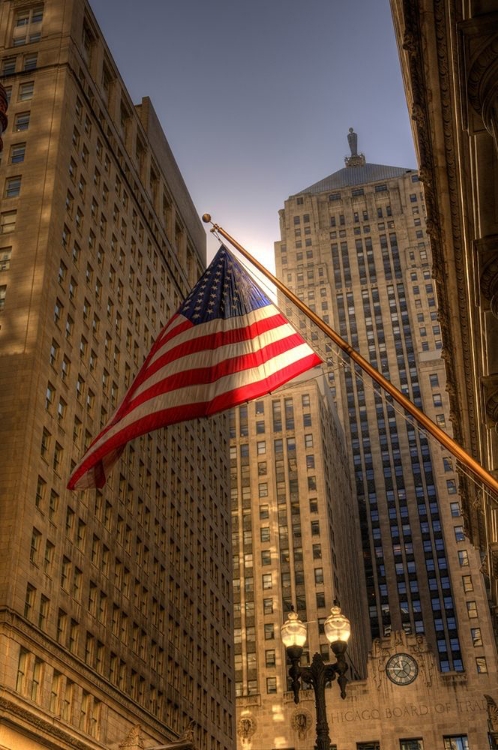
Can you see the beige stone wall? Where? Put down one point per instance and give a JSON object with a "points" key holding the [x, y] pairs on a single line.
{"points": [[290, 497], [100, 592], [433, 706], [448, 63]]}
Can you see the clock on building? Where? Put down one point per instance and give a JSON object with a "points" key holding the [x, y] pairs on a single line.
{"points": [[402, 669]]}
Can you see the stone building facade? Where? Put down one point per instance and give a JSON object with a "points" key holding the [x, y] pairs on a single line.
{"points": [[449, 61], [295, 532], [354, 248], [405, 703], [115, 605]]}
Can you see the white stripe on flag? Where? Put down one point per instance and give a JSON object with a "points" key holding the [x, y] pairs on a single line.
{"points": [[204, 392], [223, 354]]}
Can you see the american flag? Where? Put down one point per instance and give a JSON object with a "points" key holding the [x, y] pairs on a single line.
{"points": [[226, 344]]}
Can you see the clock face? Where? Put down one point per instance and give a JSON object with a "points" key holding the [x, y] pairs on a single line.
{"points": [[402, 669]]}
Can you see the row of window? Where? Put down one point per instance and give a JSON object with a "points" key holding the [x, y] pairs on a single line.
{"points": [[69, 633], [19, 63], [66, 699]]}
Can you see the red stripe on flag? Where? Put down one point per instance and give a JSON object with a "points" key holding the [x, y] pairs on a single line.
{"points": [[210, 374], [175, 414]]}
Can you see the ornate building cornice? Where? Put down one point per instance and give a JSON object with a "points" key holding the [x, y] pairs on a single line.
{"points": [[54, 733], [481, 74], [34, 639], [487, 252]]}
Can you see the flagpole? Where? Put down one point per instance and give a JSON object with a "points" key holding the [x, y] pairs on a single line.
{"points": [[396, 394]]}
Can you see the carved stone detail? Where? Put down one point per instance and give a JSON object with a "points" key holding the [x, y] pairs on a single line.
{"points": [[487, 250], [482, 75], [301, 722], [246, 727], [492, 716], [133, 740], [490, 388], [441, 178], [12, 710]]}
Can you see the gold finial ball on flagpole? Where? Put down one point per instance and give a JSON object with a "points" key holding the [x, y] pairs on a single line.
{"points": [[206, 218]]}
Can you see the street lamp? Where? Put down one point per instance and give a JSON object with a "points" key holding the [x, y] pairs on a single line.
{"points": [[337, 631]]}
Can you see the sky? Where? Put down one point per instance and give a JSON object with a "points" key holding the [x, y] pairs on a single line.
{"points": [[256, 97]]}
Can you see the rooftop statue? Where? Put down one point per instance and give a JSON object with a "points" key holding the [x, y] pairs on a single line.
{"points": [[353, 142]]}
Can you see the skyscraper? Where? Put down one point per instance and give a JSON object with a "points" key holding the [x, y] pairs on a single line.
{"points": [[115, 605], [296, 542], [354, 247]]}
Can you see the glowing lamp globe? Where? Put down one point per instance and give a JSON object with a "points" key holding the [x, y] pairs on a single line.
{"points": [[337, 627], [293, 631]]}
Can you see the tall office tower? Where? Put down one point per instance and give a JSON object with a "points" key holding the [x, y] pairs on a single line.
{"points": [[296, 542], [354, 247], [115, 605]]}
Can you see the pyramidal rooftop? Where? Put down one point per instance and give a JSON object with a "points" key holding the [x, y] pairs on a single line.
{"points": [[356, 172]]}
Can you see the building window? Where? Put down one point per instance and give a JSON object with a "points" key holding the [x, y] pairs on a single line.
{"points": [[286, 577], [476, 636], [37, 677], [456, 742], [270, 658], [35, 546], [459, 534], [27, 26], [411, 744], [455, 510], [45, 444], [21, 670], [49, 397], [271, 684], [263, 489], [264, 511], [3, 293], [17, 153], [12, 187], [267, 580], [268, 606], [472, 609], [320, 599], [9, 66], [269, 631], [29, 600], [30, 62], [318, 576], [21, 122], [26, 91], [266, 557], [8, 222]]}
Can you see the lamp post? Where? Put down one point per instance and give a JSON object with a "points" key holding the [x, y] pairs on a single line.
{"points": [[337, 631]]}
